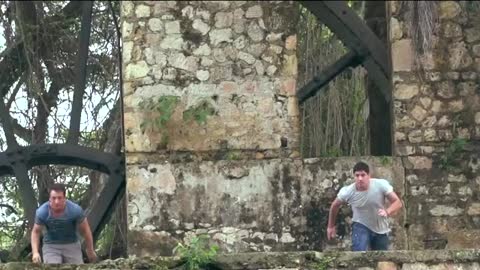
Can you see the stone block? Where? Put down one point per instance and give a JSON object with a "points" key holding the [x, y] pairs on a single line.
{"points": [[254, 12], [402, 55], [449, 9], [420, 163], [223, 19], [459, 57], [142, 11], [386, 266], [405, 91]]}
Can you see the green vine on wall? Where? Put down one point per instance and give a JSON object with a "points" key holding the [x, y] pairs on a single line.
{"points": [[452, 153], [199, 113], [161, 109]]}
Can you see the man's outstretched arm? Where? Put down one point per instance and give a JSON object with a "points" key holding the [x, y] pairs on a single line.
{"points": [[332, 217], [84, 228], [35, 242]]}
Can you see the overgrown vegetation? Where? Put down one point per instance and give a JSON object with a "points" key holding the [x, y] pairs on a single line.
{"points": [[197, 254], [158, 112], [199, 113], [324, 263], [450, 158], [334, 122], [39, 47]]}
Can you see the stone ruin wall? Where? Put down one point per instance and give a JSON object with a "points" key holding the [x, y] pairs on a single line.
{"points": [[437, 103], [393, 260], [224, 158]]}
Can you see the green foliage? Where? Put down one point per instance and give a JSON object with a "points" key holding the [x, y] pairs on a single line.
{"points": [[323, 263], [233, 156], [332, 151], [162, 108], [385, 160], [197, 253], [449, 159], [199, 113]]}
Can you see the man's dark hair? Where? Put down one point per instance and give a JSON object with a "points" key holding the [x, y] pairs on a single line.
{"points": [[361, 166], [58, 188]]}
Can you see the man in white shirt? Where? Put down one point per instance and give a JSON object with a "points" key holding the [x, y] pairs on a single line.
{"points": [[370, 217]]}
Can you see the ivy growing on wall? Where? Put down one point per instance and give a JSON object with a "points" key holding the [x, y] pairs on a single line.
{"points": [[161, 110]]}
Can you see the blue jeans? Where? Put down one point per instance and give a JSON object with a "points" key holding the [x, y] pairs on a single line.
{"points": [[363, 238]]}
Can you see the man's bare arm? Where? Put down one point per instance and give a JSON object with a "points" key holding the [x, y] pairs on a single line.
{"points": [[395, 203], [35, 237], [35, 242], [332, 215], [84, 229]]}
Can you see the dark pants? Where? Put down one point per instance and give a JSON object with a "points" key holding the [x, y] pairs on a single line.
{"points": [[363, 238]]}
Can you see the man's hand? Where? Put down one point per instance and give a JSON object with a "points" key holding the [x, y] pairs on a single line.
{"points": [[382, 213], [36, 258], [92, 256], [331, 232]]}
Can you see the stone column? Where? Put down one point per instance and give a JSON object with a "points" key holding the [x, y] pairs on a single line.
{"points": [[437, 126], [205, 81]]}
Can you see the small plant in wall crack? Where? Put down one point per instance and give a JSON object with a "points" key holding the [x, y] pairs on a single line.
{"points": [[323, 263], [452, 153], [199, 113], [197, 254], [161, 110]]}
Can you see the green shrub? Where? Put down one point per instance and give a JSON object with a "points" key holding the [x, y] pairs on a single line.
{"points": [[197, 253]]}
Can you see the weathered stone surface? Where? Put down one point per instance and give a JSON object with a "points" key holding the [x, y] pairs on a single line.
{"points": [[238, 21], [223, 19], [248, 58], [218, 36], [291, 43], [459, 57], [254, 12], [174, 42], [474, 209], [410, 260], [155, 25], [203, 50], [420, 162], [449, 9], [452, 30], [445, 210], [172, 27], [179, 60], [404, 122], [402, 55], [203, 75], [396, 31], [136, 70], [418, 113], [142, 11], [456, 106], [472, 35], [240, 180], [415, 136], [405, 91], [446, 89], [255, 32], [200, 26]]}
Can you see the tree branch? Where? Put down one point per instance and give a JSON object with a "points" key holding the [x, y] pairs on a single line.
{"points": [[81, 68], [13, 210], [13, 63]]}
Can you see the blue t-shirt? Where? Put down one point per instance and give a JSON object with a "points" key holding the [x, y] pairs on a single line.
{"points": [[62, 229]]}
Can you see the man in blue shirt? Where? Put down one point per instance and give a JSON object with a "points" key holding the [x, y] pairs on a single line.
{"points": [[60, 219]]}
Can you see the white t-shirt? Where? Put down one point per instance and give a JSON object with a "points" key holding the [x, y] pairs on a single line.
{"points": [[365, 204]]}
